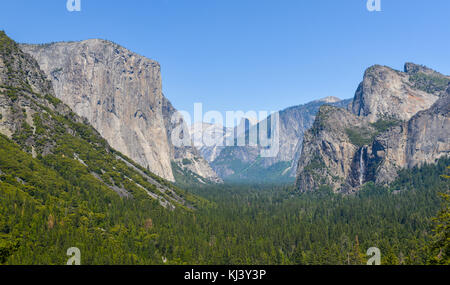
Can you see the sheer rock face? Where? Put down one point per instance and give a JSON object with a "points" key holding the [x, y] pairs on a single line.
{"points": [[39, 124], [387, 155], [329, 156], [387, 93], [423, 139], [429, 134], [397, 120], [118, 91]]}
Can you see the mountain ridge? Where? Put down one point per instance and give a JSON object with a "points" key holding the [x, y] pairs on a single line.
{"points": [[243, 163]]}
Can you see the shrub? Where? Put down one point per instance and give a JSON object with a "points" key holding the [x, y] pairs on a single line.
{"points": [[360, 137], [186, 161]]}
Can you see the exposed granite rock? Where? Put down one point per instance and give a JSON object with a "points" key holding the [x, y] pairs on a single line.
{"points": [[23, 92], [40, 124], [387, 154], [423, 139], [330, 157], [387, 93], [120, 94], [117, 91], [395, 124], [429, 134]]}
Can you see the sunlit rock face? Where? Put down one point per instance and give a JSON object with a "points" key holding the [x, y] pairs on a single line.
{"points": [[397, 120], [119, 92], [387, 93]]}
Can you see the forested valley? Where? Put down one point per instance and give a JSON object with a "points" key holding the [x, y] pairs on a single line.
{"points": [[63, 186], [233, 224]]}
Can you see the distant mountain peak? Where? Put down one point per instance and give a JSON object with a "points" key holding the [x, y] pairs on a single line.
{"points": [[330, 99], [251, 121]]}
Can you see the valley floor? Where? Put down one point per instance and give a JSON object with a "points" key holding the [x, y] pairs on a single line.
{"points": [[235, 224]]}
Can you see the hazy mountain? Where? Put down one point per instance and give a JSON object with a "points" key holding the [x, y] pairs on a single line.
{"points": [[244, 163], [203, 135]]}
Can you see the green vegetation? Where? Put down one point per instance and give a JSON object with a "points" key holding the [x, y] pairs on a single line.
{"points": [[184, 177], [23, 134], [186, 161], [385, 124], [360, 136], [257, 173], [7, 44], [12, 94], [55, 204], [43, 209], [321, 118], [315, 164], [430, 83], [254, 172], [55, 101], [365, 136], [439, 250], [59, 185]]}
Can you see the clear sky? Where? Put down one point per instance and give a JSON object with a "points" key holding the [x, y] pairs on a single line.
{"points": [[249, 54]]}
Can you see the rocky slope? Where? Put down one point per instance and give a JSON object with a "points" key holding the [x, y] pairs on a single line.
{"points": [[120, 94], [62, 143], [244, 163], [397, 120]]}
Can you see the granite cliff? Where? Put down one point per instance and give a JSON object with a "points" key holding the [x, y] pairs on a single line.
{"points": [[120, 94], [397, 120], [63, 145]]}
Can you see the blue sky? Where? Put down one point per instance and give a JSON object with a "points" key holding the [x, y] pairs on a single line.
{"points": [[249, 54]]}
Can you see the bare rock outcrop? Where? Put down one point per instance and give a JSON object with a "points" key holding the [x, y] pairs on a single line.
{"points": [[429, 134], [120, 93], [331, 155], [397, 120], [387, 93], [63, 143]]}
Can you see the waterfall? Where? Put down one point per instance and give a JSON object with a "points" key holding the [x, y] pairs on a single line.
{"points": [[361, 167]]}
